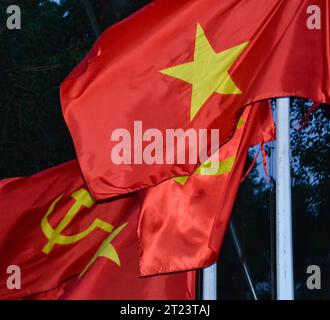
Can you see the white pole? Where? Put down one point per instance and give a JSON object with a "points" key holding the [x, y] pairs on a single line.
{"points": [[284, 253], [210, 282]]}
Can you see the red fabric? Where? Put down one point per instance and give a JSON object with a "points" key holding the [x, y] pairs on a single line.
{"points": [[182, 227], [24, 203], [248, 171], [120, 80], [304, 120], [105, 280]]}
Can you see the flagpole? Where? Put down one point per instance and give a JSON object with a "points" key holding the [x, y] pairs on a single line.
{"points": [[210, 282], [284, 253], [242, 260]]}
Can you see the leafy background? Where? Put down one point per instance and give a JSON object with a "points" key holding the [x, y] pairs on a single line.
{"points": [[55, 35]]}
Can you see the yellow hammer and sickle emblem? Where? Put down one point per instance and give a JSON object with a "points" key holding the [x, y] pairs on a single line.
{"points": [[82, 198]]}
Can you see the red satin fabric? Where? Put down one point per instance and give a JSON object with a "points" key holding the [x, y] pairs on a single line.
{"points": [[25, 201], [105, 280], [119, 81], [182, 227]]}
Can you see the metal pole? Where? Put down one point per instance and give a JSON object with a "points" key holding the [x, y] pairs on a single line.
{"points": [[210, 282], [284, 253], [242, 260]]}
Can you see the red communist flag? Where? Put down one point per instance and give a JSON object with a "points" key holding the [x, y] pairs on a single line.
{"points": [[183, 220], [125, 283], [187, 64], [52, 229]]}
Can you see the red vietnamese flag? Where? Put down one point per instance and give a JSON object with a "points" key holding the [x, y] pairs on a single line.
{"points": [[188, 64], [183, 220], [53, 230]]}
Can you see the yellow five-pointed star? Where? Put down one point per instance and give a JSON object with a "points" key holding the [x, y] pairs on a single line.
{"points": [[208, 73]]}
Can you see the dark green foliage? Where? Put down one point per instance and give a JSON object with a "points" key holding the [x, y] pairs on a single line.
{"points": [[310, 197], [33, 62]]}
